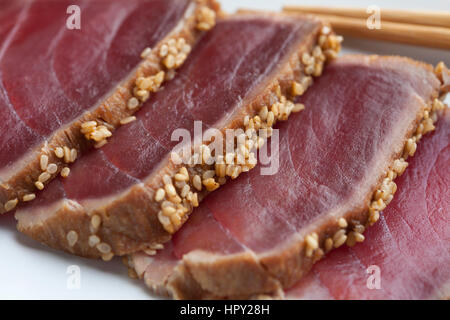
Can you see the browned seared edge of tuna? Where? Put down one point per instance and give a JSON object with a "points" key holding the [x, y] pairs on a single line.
{"points": [[25, 177], [235, 260], [146, 214]]}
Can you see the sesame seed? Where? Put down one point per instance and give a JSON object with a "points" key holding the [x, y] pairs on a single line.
{"points": [[29, 197], [359, 228], [167, 179], [43, 177], [197, 182], [263, 113], [65, 172], [146, 52], [322, 40], [164, 50], [133, 103], [309, 69], [378, 205], [39, 185], [52, 168], [72, 238], [127, 120], [184, 171], [330, 54], [260, 142], [175, 219], [311, 242], [400, 166], [270, 118], [143, 95], [359, 237], [166, 204], [88, 125], [44, 162], [150, 252], [342, 223], [203, 26], [374, 215], [179, 184], [160, 194], [96, 221], [100, 144], [93, 241], [297, 89], [325, 30], [165, 221], [340, 241], [210, 184], [170, 190], [437, 105], [298, 107], [186, 49], [251, 124], [104, 248], [206, 154], [206, 19], [318, 68], [428, 126], [168, 211], [66, 154], [169, 61], [59, 152], [220, 169], [185, 190], [157, 246], [307, 59], [338, 234], [246, 120], [208, 174], [107, 256], [234, 174], [11, 204], [181, 177], [410, 147], [193, 198]]}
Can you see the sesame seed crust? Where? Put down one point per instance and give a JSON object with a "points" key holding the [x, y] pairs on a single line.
{"points": [[195, 276], [107, 114]]}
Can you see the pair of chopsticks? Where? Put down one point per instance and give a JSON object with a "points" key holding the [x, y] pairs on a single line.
{"points": [[428, 28]]}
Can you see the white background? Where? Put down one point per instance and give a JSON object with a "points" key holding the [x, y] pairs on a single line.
{"points": [[29, 270]]}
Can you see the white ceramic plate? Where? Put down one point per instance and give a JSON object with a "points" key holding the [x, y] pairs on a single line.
{"points": [[29, 270]]}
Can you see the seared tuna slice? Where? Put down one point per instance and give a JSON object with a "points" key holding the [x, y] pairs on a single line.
{"points": [[132, 195], [338, 160], [406, 255], [65, 89]]}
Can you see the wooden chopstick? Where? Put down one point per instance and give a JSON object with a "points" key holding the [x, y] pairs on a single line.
{"points": [[435, 37], [425, 18]]}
